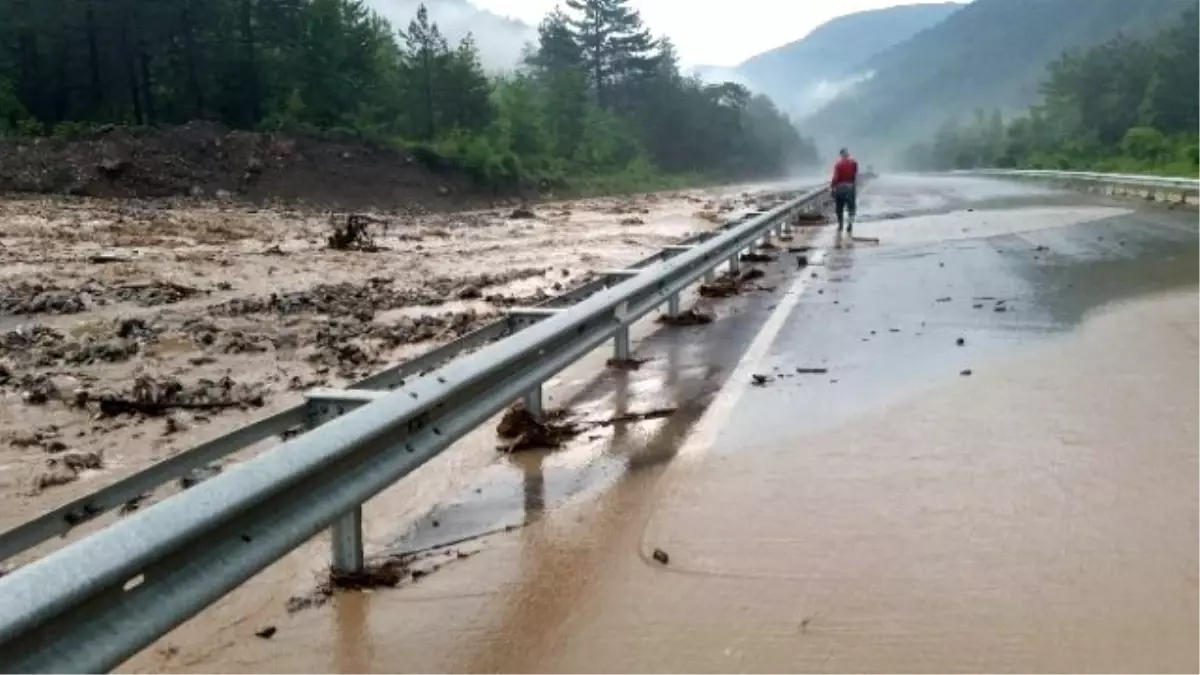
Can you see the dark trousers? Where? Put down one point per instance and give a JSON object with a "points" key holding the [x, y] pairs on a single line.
{"points": [[845, 199]]}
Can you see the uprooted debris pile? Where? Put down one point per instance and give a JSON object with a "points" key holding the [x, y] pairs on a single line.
{"points": [[152, 397], [626, 364], [812, 218], [522, 431], [387, 571], [690, 317], [731, 284], [352, 233], [754, 257]]}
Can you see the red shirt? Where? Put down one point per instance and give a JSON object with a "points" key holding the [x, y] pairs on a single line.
{"points": [[845, 171]]}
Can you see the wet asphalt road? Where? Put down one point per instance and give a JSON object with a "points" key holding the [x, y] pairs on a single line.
{"points": [[970, 446]]}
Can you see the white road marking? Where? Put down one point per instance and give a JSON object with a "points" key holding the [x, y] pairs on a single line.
{"points": [[701, 440]]}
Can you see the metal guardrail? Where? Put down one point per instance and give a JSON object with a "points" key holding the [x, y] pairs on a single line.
{"points": [[93, 604], [61, 520], [1150, 185]]}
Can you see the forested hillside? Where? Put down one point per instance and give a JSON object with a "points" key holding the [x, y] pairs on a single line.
{"points": [[991, 54], [601, 101], [1125, 105], [806, 74]]}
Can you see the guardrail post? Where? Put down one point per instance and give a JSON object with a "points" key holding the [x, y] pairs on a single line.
{"points": [[348, 542], [346, 531], [533, 402], [621, 344], [734, 262], [673, 305]]}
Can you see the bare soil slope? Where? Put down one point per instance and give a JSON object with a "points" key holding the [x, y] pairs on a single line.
{"points": [[202, 159]]}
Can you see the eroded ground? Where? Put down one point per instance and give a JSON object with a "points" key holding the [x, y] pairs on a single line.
{"points": [[131, 330]]}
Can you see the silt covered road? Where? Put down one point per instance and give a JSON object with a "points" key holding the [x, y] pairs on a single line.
{"points": [[969, 446]]}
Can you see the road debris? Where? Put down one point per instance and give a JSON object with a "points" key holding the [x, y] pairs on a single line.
{"points": [[730, 284], [522, 431], [266, 633], [626, 418], [805, 219], [753, 257], [385, 572], [812, 371], [690, 317], [661, 556]]}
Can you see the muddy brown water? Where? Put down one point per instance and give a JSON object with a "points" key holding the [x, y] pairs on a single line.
{"points": [[1061, 537], [1037, 516], [244, 255]]}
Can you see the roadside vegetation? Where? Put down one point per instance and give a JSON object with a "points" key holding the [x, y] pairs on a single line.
{"points": [[599, 105], [1128, 106]]}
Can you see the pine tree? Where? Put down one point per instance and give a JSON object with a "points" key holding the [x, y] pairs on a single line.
{"points": [[426, 58], [616, 48]]}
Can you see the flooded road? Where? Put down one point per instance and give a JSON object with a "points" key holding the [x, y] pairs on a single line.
{"points": [[970, 446]]}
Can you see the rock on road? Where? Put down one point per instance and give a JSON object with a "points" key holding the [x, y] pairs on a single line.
{"points": [[971, 447]]}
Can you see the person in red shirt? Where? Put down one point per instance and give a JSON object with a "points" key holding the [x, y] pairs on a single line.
{"points": [[845, 190]]}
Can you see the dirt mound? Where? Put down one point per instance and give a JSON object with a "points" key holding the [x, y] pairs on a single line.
{"points": [[200, 159]]}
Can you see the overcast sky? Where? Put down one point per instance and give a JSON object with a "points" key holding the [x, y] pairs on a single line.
{"points": [[712, 32]]}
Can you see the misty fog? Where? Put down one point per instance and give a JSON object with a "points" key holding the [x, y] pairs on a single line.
{"points": [[501, 40]]}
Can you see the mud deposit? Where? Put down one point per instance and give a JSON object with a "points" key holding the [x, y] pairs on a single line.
{"points": [[133, 329]]}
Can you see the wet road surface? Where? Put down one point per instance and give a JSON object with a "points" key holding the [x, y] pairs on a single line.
{"points": [[879, 498]]}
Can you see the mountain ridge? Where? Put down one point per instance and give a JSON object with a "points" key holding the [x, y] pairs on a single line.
{"points": [[806, 73], [991, 54]]}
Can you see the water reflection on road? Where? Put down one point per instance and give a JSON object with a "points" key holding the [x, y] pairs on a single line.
{"points": [[895, 514]]}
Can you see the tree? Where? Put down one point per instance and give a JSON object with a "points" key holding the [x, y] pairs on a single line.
{"points": [[426, 58], [616, 48], [597, 96], [1108, 107]]}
